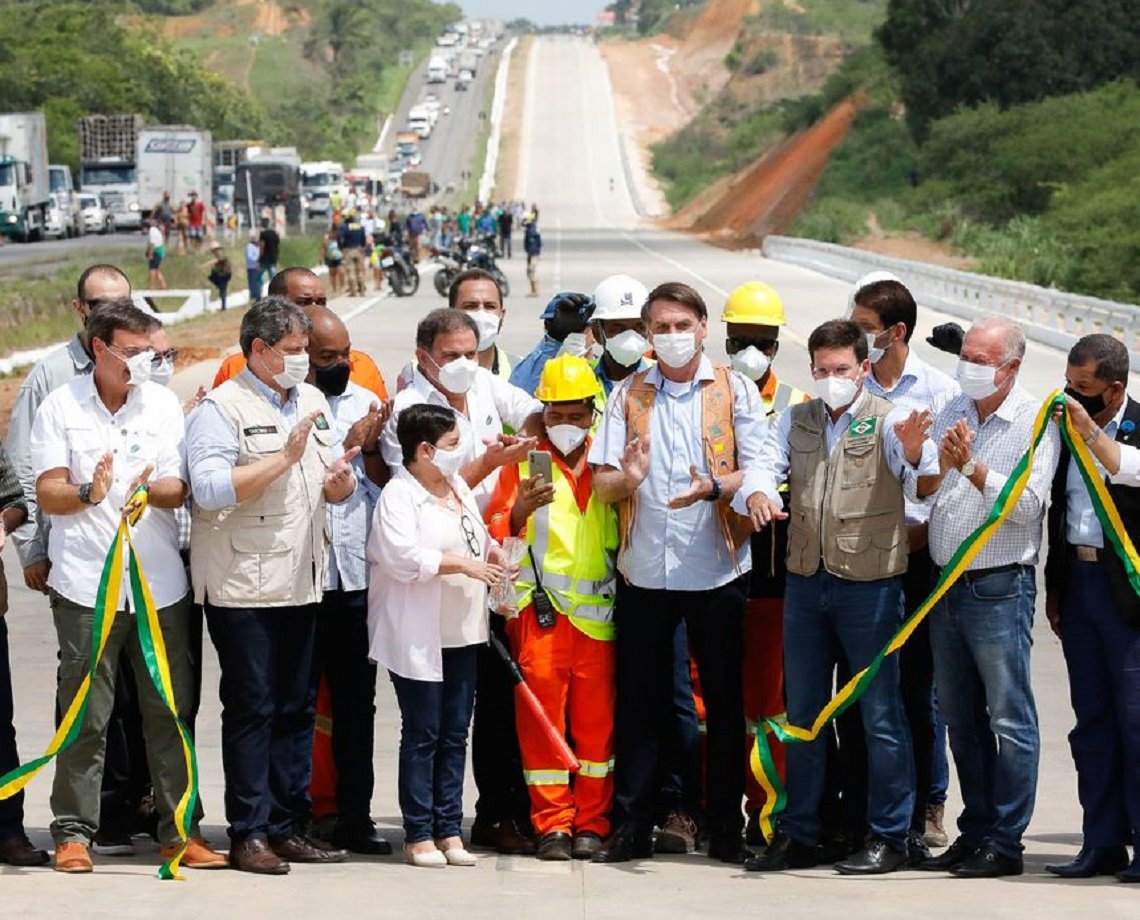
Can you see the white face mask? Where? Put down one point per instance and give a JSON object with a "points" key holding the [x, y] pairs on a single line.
{"points": [[627, 348], [675, 349], [977, 380], [162, 374], [458, 375], [837, 392], [448, 462], [751, 362], [875, 354], [488, 325], [140, 367], [295, 371], [574, 344], [567, 438]]}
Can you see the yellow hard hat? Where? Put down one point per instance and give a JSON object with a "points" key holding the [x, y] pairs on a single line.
{"points": [[754, 303], [565, 379]]}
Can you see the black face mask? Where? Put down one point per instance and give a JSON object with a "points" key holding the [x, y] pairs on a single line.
{"points": [[332, 380], [1093, 405]]}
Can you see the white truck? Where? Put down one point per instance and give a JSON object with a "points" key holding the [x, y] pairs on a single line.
{"points": [[437, 69], [175, 159], [319, 179], [24, 184], [108, 148], [66, 199], [420, 121]]}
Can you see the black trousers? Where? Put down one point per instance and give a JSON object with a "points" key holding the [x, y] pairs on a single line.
{"points": [[342, 655], [916, 678], [266, 656], [647, 621], [12, 809], [495, 758]]}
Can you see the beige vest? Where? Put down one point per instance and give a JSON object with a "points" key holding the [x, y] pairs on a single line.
{"points": [[847, 507], [270, 551]]}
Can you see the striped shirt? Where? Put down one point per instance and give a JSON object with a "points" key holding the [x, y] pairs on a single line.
{"points": [[958, 508]]}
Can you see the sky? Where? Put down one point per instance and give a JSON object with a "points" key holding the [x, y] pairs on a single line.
{"points": [[543, 12]]}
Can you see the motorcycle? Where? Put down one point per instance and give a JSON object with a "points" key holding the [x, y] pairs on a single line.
{"points": [[399, 269], [468, 254]]}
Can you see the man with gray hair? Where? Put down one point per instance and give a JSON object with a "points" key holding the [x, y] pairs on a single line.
{"points": [[981, 629], [264, 459]]}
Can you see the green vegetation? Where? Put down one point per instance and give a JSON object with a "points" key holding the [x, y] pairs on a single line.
{"points": [[851, 20]]}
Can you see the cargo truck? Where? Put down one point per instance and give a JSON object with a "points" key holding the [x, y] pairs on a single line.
{"points": [[319, 179], [416, 184], [67, 199], [174, 160], [108, 148], [24, 182], [437, 69], [268, 181]]}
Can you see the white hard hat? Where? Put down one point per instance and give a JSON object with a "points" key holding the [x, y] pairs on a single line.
{"points": [[866, 281], [619, 297]]}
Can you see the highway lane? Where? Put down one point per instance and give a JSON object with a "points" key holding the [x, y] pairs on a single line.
{"points": [[570, 152]]}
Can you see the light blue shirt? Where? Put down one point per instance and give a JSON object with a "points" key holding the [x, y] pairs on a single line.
{"points": [[1081, 525], [212, 445], [527, 372], [349, 521], [684, 549], [923, 387], [604, 380], [252, 255], [775, 458]]}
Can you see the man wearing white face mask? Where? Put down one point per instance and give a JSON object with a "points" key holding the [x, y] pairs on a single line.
{"points": [[94, 441], [477, 293], [566, 321], [264, 459], [886, 312], [981, 629], [619, 329], [670, 453], [843, 455]]}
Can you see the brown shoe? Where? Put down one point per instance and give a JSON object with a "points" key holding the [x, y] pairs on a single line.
{"points": [[511, 841], [254, 855], [18, 851], [935, 835], [73, 856], [679, 834], [198, 855], [299, 848]]}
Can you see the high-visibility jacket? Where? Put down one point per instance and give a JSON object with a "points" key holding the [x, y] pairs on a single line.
{"points": [[574, 541]]}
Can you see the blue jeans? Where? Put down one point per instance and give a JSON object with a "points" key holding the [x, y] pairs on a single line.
{"points": [[981, 635], [940, 762], [434, 718], [826, 617], [253, 279]]}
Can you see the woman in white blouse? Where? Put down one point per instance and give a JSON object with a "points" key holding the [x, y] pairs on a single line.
{"points": [[432, 561]]}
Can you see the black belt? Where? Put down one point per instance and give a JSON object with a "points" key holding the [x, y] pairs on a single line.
{"points": [[974, 574]]}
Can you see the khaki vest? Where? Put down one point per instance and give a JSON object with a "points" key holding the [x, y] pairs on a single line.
{"points": [[270, 551], [847, 507], [718, 436]]}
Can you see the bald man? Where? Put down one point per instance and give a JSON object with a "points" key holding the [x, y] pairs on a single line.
{"points": [[305, 288], [342, 624]]}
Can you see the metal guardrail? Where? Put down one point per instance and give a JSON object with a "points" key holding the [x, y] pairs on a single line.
{"points": [[1048, 316]]}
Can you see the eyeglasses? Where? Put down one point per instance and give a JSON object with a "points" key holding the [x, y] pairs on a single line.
{"points": [[735, 343], [311, 301], [469, 535], [126, 354], [171, 355], [822, 373]]}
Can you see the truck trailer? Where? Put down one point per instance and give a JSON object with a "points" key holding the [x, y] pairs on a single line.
{"points": [[24, 181], [174, 160], [108, 167]]}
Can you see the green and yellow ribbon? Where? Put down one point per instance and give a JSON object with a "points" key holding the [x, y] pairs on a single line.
{"points": [[763, 767], [157, 663]]}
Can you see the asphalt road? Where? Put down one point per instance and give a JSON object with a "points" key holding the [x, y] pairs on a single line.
{"points": [[570, 153], [44, 257]]}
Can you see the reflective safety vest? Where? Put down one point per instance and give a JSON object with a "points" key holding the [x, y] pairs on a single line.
{"points": [[576, 551], [775, 398]]}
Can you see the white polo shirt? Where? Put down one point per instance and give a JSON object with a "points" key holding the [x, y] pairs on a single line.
{"points": [[491, 402], [73, 429]]}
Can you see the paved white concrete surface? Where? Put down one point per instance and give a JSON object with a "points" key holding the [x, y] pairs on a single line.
{"points": [[571, 150]]}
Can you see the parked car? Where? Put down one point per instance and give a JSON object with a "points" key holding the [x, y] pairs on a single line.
{"points": [[96, 217], [56, 223]]}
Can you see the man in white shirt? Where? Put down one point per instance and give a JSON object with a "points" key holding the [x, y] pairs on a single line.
{"points": [[981, 629], [93, 442], [885, 311], [447, 373]]}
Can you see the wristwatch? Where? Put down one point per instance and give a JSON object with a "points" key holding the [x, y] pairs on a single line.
{"points": [[85, 494], [967, 468], [715, 494]]}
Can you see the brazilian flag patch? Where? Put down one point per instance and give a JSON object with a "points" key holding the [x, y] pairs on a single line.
{"points": [[862, 427]]}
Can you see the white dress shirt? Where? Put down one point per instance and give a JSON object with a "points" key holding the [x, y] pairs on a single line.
{"points": [[958, 508], [72, 430], [349, 521], [683, 549], [491, 402], [775, 458], [921, 387], [1081, 523], [410, 530]]}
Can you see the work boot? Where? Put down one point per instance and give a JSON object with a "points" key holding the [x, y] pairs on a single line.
{"points": [[935, 835], [679, 834]]}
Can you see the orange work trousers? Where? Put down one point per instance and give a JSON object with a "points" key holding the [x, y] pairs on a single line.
{"points": [[322, 784], [763, 684], [573, 677]]}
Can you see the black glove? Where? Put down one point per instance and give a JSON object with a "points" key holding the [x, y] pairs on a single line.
{"points": [[948, 337], [572, 313]]}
